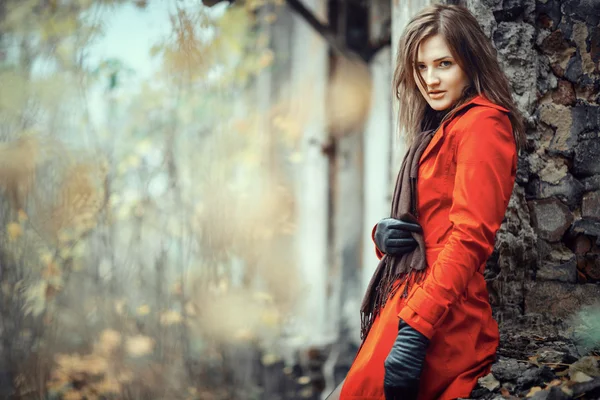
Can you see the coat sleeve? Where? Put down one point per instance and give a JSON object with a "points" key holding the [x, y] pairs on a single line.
{"points": [[486, 161], [378, 252]]}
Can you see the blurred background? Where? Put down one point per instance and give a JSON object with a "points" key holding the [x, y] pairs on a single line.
{"points": [[188, 188]]}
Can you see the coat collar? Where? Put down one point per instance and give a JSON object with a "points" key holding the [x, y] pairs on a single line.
{"points": [[478, 100]]}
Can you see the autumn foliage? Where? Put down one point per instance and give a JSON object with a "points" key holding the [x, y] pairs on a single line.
{"points": [[144, 236]]}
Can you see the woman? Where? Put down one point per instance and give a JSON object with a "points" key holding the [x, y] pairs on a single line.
{"points": [[428, 331]]}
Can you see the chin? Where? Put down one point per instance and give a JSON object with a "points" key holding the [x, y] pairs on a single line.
{"points": [[439, 106]]}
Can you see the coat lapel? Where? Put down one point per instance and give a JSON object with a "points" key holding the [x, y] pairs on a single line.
{"points": [[477, 100], [434, 141]]}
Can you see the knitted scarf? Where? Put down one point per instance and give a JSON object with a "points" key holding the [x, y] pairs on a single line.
{"points": [[392, 271]]}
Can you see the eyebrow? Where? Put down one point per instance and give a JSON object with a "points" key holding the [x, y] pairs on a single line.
{"points": [[437, 59]]}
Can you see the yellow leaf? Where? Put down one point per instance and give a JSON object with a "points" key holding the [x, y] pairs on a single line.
{"points": [[263, 297], [132, 161], [266, 59], [94, 364], [14, 231], [244, 334], [143, 310], [139, 345], [270, 18], [170, 317], [120, 306], [109, 340], [125, 376], [46, 257], [108, 385], [270, 318], [50, 271], [269, 359], [72, 395], [22, 216], [295, 157], [190, 309]]}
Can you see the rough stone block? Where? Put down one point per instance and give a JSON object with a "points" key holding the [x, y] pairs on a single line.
{"points": [[587, 154], [560, 264], [548, 13], [592, 183], [559, 299], [505, 293], [551, 218], [564, 94], [586, 119], [583, 245], [512, 9], [508, 369], [591, 267], [587, 227], [574, 70], [591, 205], [595, 44], [514, 41], [568, 190], [559, 117], [555, 43], [585, 10], [555, 270]]}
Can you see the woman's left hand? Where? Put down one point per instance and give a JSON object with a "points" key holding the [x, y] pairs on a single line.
{"points": [[404, 363]]}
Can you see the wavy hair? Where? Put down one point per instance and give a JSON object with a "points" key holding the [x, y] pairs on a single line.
{"points": [[473, 52]]}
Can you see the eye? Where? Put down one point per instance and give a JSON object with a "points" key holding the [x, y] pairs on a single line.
{"points": [[445, 63], [421, 67]]}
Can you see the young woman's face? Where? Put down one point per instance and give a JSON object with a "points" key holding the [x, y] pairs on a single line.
{"points": [[444, 78]]}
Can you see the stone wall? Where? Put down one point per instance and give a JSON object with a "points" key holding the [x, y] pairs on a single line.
{"points": [[547, 258]]}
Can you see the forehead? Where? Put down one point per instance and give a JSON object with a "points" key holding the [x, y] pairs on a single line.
{"points": [[433, 48]]}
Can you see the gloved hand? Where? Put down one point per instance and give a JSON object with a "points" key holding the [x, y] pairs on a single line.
{"points": [[393, 236], [404, 364]]}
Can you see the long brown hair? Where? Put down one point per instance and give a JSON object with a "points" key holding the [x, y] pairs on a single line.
{"points": [[474, 53]]}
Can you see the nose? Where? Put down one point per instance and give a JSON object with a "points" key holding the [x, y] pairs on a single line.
{"points": [[431, 77]]}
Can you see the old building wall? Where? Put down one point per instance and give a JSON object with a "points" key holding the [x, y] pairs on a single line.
{"points": [[547, 258]]}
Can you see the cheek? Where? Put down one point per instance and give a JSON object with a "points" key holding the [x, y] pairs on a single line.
{"points": [[458, 82]]}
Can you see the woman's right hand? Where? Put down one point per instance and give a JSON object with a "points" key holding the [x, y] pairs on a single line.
{"points": [[394, 237]]}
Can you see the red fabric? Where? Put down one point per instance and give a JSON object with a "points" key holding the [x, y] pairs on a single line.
{"points": [[378, 252], [466, 178]]}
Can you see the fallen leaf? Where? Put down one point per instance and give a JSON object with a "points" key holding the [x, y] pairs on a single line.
{"points": [[580, 377], [533, 391], [534, 360], [489, 382]]}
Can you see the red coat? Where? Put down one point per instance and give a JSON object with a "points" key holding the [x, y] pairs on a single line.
{"points": [[466, 176]]}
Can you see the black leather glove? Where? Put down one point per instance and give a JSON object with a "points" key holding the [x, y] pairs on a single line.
{"points": [[404, 364], [393, 236]]}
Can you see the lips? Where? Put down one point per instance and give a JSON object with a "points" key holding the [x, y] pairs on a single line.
{"points": [[436, 94]]}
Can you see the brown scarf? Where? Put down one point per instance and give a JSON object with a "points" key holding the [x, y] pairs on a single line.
{"points": [[392, 271]]}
